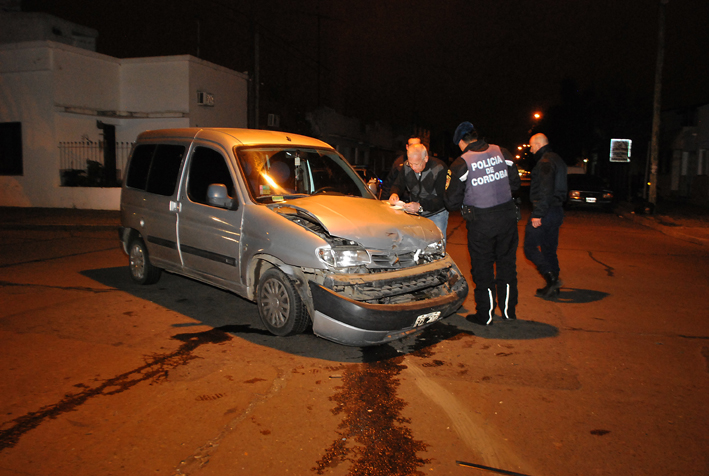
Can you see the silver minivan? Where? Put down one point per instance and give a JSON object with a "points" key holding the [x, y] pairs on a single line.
{"points": [[285, 221]]}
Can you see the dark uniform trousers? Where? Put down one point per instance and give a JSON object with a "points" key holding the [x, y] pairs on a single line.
{"points": [[540, 243], [492, 243]]}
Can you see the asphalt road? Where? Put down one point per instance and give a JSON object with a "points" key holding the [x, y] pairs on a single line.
{"points": [[101, 376]]}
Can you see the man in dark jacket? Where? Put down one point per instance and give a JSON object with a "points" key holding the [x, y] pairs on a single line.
{"points": [[423, 180], [396, 167], [482, 180], [547, 191]]}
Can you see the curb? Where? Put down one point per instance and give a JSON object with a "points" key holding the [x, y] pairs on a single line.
{"points": [[59, 226], [65, 219], [673, 231]]}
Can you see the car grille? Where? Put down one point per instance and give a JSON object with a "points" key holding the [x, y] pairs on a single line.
{"points": [[393, 260], [393, 290]]}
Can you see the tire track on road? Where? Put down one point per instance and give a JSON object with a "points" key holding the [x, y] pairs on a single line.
{"points": [[482, 440]]}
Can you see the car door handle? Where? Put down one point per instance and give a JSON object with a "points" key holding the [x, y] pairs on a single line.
{"points": [[175, 206]]}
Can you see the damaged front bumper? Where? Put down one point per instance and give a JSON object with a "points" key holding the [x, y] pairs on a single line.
{"points": [[371, 309]]}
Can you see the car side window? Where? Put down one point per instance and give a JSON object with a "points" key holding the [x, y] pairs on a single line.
{"points": [[155, 168], [140, 166], [207, 167]]}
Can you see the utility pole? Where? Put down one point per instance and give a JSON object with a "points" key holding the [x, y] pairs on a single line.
{"points": [[654, 147], [257, 78], [318, 47]]}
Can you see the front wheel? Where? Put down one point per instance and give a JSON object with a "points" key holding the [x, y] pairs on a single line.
{"points": [[279, 305], [141, 270]]}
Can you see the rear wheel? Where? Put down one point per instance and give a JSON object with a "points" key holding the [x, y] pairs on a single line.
{"points": [[141, 270], [279, 305]]}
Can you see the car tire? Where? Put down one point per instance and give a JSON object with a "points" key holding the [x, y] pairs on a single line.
{"points": [[141, 270], [279, 305]]}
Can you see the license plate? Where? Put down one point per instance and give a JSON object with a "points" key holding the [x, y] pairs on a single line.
{"points": [[591, 199], [427, 318]]}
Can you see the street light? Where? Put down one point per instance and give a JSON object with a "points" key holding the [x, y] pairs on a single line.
{"points": [[536, 116]]}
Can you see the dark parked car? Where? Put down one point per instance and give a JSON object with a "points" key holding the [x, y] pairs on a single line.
{"points": [[588, 191]]}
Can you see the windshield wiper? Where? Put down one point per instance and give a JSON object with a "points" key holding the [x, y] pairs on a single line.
{"points": [[270, 198]]}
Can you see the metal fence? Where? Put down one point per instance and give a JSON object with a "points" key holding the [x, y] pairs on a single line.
{"points": [[82, 163]]}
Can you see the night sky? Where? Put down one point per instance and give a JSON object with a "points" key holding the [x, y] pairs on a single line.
{"points": [[432, 63]]}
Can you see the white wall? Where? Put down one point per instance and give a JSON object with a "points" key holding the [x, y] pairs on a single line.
{"points": [[230, 90], [85, 79], [155, 84], [37, 78], [26, 96], [58, 92]]}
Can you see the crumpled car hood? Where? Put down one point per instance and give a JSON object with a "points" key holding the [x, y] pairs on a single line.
{"points": [[372, 223]]}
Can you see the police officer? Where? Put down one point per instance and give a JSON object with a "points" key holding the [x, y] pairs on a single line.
{"points": [[482, 180], [547, 191]]}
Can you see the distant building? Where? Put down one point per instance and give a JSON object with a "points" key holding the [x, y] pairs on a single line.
{"points": [[684, 166], [370, 145], [16, 27], [67, 112]]}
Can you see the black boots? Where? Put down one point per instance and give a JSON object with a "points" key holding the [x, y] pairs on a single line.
{"points": [[552, 287], [483, 319]]}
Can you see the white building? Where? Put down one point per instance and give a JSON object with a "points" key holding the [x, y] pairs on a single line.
{"points": [[53, 93]]}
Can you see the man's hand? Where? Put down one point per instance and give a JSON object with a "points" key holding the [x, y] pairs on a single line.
{"points": [[536, 222], [412, 207], [393, 199]]}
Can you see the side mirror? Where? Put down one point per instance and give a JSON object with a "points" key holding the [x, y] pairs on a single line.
{"points": [[217, 196]]}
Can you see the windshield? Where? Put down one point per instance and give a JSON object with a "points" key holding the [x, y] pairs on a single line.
{"points": [[277, 173]]}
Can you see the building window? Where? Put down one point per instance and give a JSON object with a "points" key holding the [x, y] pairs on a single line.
{"points": [[10, 148]]}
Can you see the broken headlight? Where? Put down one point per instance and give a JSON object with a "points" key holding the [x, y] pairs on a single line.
{"points": [[343, 256], [437, 248]]}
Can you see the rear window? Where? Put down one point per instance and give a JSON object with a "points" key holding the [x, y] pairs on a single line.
{"points": [[155, 168]]}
